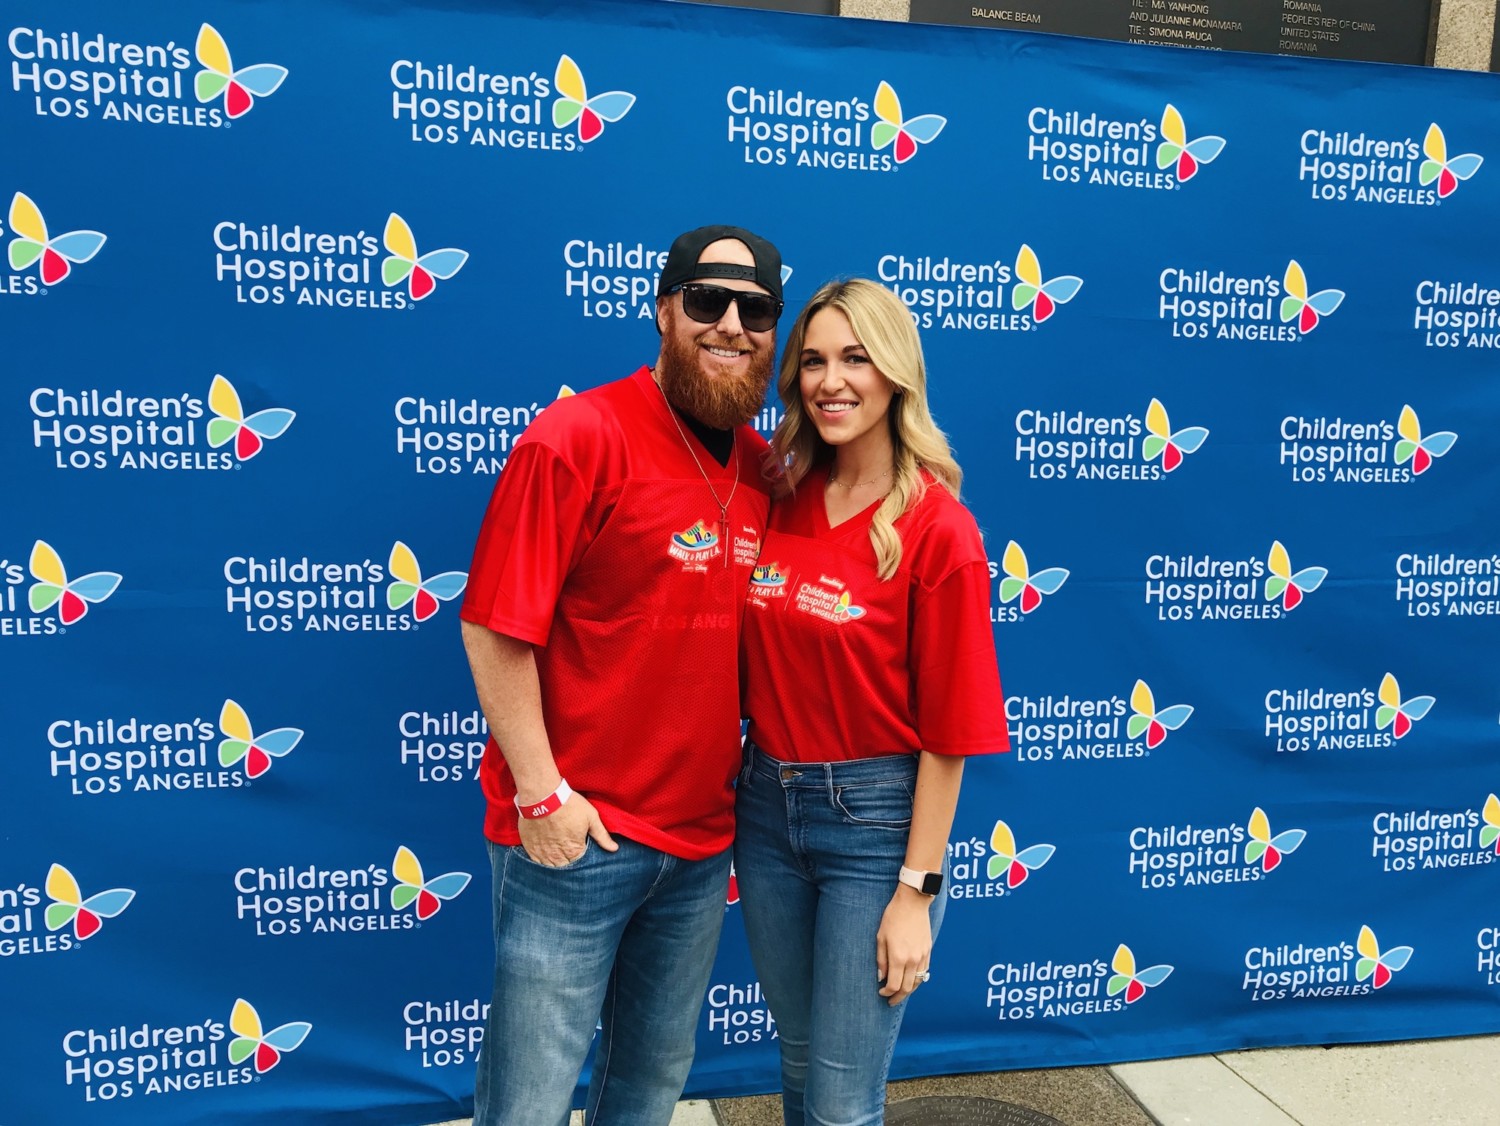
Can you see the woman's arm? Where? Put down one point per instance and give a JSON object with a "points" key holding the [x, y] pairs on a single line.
{"points": [[903, 944]]}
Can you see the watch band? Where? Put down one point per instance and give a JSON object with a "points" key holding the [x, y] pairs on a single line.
{"points": [[549, 804], [928, 883]]}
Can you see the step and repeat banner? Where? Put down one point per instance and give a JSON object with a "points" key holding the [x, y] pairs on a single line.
{"points": [[1214, 335]]}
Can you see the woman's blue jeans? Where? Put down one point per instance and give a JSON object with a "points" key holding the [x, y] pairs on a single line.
{"points": [[817, 851]]}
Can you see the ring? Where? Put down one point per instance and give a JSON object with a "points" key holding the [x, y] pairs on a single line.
{"points": [[925, 975]]}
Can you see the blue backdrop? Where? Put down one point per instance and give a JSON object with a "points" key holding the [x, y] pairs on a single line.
{"points": [[1214, 336]]}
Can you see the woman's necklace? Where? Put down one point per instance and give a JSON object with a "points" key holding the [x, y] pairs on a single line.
{"points": [[722, 505], [833, 479]]}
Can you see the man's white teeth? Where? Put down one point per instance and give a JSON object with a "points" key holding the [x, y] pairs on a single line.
{"points": [[727, 353]]}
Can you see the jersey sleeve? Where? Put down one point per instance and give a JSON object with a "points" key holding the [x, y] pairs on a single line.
{"points": [[526, 543], [956, 697]]}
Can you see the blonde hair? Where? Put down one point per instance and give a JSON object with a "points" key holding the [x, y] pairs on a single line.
{"points": [[883, 325]]}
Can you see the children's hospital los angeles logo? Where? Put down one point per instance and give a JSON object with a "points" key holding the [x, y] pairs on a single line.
{"points": [[70, 917], [173, 753], [771, 126], [40, 259], [1324, 450], [1047, 989], [1082, 146], [286, 594], [453, 103], [1074, 726], [1283, 971], [1022, 585], [1422, 839], [1205, 304], [947, 293], [74, 74], [94, 428], [273, 263], [299, 899], [1063, 445], [54, 602], [1319, 718], [1185, 588], [134, 1058], [1354, 167], [1201, 854]]}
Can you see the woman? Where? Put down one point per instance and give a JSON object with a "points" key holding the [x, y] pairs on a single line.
{"points": [[870, 676]]}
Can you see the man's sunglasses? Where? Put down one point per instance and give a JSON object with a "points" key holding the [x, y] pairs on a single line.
{"points": [[707, 304]]}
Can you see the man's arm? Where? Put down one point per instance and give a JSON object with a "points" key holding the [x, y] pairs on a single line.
{"points": [[505, 678]]}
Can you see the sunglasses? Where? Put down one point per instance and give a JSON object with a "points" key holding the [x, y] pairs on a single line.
{"points": [[707, 304]]}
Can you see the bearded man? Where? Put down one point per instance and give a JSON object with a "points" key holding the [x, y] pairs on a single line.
{"points": [[602, 627]]}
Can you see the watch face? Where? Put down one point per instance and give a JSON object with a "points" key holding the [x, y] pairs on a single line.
{"points": [[932, 883]]}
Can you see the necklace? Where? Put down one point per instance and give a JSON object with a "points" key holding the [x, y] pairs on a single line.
{"points": [[833, 479], [722, 505]]}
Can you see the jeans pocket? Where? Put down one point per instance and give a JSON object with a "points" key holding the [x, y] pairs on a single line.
{"points": [[519, 851], [879, 805]]}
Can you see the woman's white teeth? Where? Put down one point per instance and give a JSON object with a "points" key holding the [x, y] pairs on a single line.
{"points": [[837, 407]]}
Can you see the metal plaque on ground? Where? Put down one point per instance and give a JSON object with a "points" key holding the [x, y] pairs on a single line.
{"points": [[942, 1110]]}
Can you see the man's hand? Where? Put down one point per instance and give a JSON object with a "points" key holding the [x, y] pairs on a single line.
{"points": [[561, 836]]}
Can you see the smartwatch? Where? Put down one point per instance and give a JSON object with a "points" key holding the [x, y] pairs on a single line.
{"points": [[928, 883]]}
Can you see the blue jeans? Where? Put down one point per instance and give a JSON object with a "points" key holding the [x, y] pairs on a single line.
{"points": [[625, 939], [817, 851]]}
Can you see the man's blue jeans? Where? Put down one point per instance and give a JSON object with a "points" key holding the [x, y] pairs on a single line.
{"points": [[817, 851], [623, 938]]}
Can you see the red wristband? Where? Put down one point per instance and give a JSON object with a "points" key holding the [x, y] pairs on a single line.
{"points": [[550, 804]]}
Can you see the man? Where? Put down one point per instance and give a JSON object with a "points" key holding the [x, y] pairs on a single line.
{"points": [[602, 627]]}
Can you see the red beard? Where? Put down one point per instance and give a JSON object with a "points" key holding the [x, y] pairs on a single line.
{"points": [[720, 401]]}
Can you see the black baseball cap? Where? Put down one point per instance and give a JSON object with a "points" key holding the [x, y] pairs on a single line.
{"points": [[683, 266]]}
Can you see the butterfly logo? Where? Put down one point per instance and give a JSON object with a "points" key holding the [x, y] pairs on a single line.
{"points": [[1042, 297], [69, 906], [249, 435], [1298, 306], [1017, 864], [1020, 582], [1439, 167], [241, 742], [696, 538], [267, 1047], [418, 271], [1131, 981], [32, 243], [218, 76], [574, 104], [1418, 450], [426, 894], [767, 574], [1373, 964], [1490, 834], [1188, 155], [1290, 588], [1160, 440], [844, 609], [1267, 849], [53, 587], [424, 594], [892, 127], [1147, 719], [1396, 713]]}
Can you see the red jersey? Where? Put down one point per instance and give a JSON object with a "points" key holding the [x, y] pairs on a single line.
{"points": [[840, 665], [602, 547]]}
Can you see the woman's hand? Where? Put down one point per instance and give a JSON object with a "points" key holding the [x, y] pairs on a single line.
{"points": [[903, 944]]}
